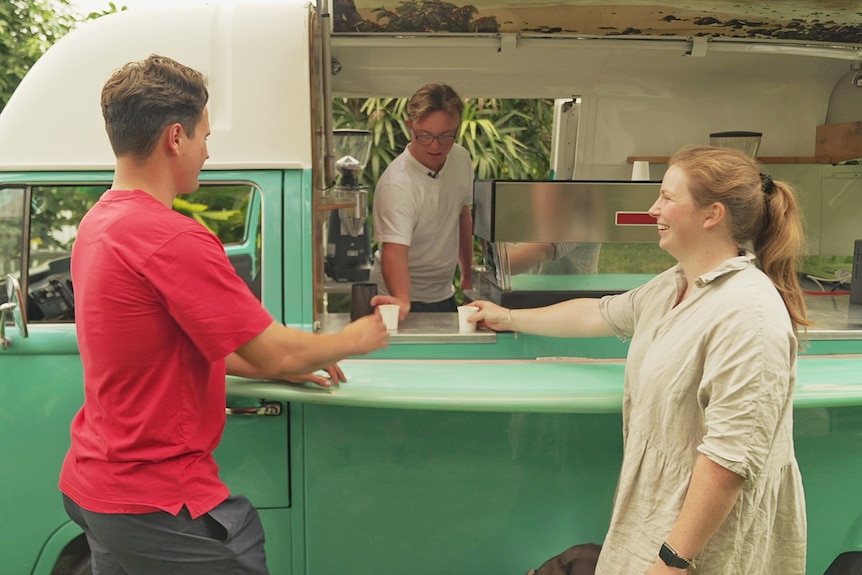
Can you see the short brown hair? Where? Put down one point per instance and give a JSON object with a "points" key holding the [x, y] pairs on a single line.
{"points": [[142, 98]]}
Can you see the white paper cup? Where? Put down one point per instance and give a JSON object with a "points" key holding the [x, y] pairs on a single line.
{"points": [[389, 313], [464, 312], [640, 171]]}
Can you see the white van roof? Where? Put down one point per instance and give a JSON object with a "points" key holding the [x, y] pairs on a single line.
{"points": [[255, 55]]}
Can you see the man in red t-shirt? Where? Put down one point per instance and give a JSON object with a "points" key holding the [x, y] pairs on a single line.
{"points": [[161, 317]]}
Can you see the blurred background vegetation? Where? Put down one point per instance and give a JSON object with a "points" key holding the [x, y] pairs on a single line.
{"points": [[27, 29], [507, 139]]}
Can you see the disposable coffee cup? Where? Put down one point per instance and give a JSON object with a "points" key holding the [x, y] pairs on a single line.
{"points": [[640, 171], [389, 313], [360, 299], [464, 312]]}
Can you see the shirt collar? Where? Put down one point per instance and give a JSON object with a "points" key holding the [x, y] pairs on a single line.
{"points": [[742, 261]]}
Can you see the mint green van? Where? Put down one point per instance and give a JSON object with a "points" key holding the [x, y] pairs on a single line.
{"points": [[447, 452]]}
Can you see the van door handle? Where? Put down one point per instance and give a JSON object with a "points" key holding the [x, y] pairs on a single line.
{"points": [[268, 408]]}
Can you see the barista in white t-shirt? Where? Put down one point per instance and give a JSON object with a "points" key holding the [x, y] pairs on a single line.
{"points": [[422, 213]]}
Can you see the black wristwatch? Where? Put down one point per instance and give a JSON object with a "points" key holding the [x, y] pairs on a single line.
{"points": [[673, 559]]}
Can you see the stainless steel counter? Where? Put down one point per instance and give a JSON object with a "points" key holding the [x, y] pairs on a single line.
{"points": [[833, 317], [419, 328]]}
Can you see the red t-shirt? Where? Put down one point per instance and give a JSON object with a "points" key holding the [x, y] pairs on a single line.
{"points": [[158, 308]]}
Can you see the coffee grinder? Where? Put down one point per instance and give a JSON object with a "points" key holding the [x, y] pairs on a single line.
{"points": [[348, 247]]}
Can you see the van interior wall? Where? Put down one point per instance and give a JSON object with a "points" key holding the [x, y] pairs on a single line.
{"points": [[638, 97]]}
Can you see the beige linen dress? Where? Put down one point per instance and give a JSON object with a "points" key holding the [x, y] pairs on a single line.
{"points": [[713, 375]]}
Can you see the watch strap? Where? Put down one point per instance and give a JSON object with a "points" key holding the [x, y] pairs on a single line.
{"points": [[673, 559]]}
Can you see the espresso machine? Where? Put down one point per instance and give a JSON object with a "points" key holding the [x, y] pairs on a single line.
{"points": [[577, 218], [348, 246]]}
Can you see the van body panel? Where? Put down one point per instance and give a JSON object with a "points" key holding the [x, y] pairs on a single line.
{"points": [[255, 56]]}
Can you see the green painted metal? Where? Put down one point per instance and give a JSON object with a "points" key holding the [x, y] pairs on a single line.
{"points": [[579, 282], [50, 553], [41, 388], [433, 458], [298, 482], [832, 347], [429, 492], [827, 442], [40, 391], [277, 527], [39, 394], [484, 466], [253, 455], [425, 493], [294, 236]]}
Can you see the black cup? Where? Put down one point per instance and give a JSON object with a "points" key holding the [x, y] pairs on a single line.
{"points": [[360, 300]]}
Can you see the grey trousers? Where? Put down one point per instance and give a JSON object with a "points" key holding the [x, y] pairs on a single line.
{"points": [[226, 541]]}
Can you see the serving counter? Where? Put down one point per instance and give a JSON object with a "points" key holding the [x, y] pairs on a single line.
{"points": [[539, 386], [490, 452], [430, 365]]}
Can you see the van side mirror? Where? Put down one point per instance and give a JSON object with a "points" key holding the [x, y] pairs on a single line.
{"points": [[12, 307]]}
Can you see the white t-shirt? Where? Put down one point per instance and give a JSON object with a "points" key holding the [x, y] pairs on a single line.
{"points": [[420, 209]]}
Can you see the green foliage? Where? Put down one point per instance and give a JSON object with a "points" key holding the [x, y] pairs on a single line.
{"points": [[414, 16], [507, 139], [530, 122], [634, 259], [55, 210], [27, 29], [221, 209], [384, 118], [429, 16]]}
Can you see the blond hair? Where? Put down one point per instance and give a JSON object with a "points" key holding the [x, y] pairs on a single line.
{"points": [[761, 212], [432, 98]]}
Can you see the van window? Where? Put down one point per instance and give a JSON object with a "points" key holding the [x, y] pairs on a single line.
{"points": [[231, 212], [46, 220]]}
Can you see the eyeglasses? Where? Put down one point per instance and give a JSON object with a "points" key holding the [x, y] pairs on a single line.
{"points": [[428, 139]]}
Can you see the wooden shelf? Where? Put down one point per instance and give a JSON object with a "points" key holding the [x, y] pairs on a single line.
{"points": [[762, 160]]}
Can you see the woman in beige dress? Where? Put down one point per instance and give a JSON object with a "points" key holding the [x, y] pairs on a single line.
{"points": [[709, 476]]}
